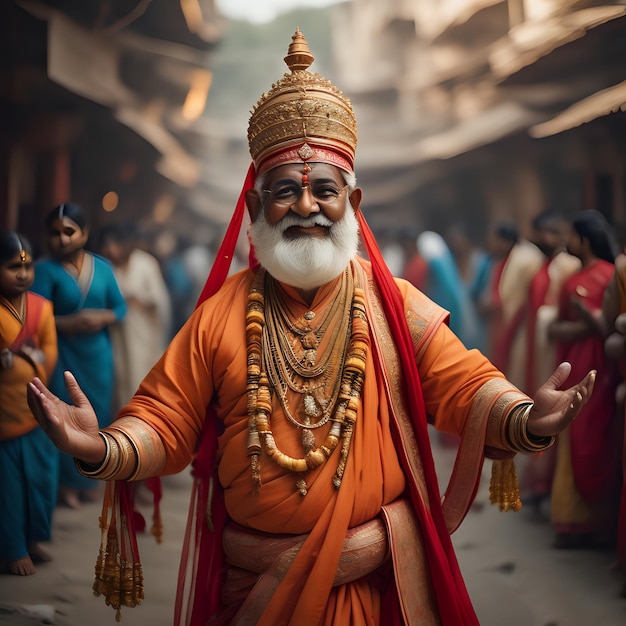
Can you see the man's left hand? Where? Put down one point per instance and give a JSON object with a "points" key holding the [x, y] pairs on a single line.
{"points": [[554, 408]]}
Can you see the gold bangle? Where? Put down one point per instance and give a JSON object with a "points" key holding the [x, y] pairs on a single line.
{"points": [[108, 467], [133, 451], [147, 444], [518, 436], [129, 459]]}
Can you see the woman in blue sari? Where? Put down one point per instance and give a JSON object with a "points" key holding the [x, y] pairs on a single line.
{"points": [[87, 300], [446, 287]]}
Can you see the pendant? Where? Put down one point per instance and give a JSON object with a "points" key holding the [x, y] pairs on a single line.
{"points": [[310, 407], [301, 485], [308, 360], [309, 341], [308, 440]]}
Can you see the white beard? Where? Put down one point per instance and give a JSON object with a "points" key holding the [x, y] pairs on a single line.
{"points": [[305, 262]]}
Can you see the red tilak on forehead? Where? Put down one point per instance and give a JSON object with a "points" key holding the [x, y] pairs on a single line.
{"points": [[305, 175]]}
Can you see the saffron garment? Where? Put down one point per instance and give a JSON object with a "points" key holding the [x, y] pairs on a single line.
{"points": [[88, 356], [587, 475], [205, 365], [509, 292], [28, 459]]}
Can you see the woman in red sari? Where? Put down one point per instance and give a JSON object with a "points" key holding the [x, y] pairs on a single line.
{"points": [[587, 476]]}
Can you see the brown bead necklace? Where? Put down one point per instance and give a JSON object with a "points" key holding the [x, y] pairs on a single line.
{"points": [[274, 365]]}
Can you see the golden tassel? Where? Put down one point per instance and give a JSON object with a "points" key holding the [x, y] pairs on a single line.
{"points": [[504, 487]]}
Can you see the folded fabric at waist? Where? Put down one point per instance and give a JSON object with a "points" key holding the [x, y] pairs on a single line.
{"points": [[365, 549]]}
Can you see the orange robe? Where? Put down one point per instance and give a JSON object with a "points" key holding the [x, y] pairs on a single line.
{"points": [[16, 418], [206, 364]]}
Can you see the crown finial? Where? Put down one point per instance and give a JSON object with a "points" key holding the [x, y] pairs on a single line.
{"points": [[299, 56]]}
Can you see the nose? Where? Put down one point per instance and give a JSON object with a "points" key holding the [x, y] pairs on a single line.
{"points": [[306, 204], [64, 239]]}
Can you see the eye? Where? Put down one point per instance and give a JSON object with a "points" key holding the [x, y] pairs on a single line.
{"points": [[325, 192], [285, 191]]}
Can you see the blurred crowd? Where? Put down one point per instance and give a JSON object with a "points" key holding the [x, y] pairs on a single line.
{"points": [[104, 304], [530, 303]]}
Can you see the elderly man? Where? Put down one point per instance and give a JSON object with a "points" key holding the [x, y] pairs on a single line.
{"points": [[302, 388]]}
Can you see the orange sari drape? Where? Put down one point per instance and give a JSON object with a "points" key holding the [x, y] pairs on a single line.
{"points": [[207, 362], [38, 331]]}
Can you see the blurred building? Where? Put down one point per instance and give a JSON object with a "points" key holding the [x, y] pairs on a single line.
{"points": [[475, 109], [100, 102]]}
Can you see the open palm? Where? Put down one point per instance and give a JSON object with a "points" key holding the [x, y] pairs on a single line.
{"points": [[73, 428], [554, 408]]}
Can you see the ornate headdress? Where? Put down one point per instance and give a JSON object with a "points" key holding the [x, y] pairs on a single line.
{"points": [[303, 117]]}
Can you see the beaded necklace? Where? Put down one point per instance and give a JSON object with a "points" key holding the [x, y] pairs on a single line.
{"points": [[290, 355], [341, 409]]}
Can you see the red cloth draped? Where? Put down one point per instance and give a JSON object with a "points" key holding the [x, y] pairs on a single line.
{"points": [[201, 568], [592, 433], [453, 600]]}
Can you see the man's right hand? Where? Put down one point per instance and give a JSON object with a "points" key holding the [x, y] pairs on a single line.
{"points": [[72, 428]]}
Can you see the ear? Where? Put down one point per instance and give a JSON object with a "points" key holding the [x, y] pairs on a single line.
{"points": [[253, 202], [356, 195]]}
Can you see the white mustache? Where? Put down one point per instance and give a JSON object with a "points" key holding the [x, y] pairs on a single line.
{"points": [[304, 222]]}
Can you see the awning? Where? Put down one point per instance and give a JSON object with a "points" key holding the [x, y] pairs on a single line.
{"points": [[491, 125], [450, 14], [531, 41], [603, 103], [84, 62], [87, 64], [175, 162]]}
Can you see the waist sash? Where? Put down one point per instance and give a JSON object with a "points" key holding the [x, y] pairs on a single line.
{"points": [[365, 549]]}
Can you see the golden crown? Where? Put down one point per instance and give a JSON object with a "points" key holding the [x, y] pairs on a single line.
{"points": [[303, 115]]}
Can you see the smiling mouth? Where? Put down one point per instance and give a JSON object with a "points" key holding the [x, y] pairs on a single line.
{"points": [[293, 232]]}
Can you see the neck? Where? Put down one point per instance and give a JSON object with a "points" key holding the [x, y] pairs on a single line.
{"points": [[587, 257], [307, 294], [16, 300], [75, 258]]}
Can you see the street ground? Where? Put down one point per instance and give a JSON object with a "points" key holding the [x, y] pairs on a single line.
{"points": [[514, 576]]}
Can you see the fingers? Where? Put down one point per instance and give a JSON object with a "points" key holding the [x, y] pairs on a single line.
{"points": [[590, 381], [559, 376], [76, 393], [587, 384], [582, 392], [33, 403], [38, 385], [40, 404], [576, 404]]}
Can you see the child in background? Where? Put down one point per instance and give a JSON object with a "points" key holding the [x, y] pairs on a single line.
{"points": [[29, 464]]}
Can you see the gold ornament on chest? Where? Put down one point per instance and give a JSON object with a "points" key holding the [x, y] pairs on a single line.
{"points": [[314, 364]]}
